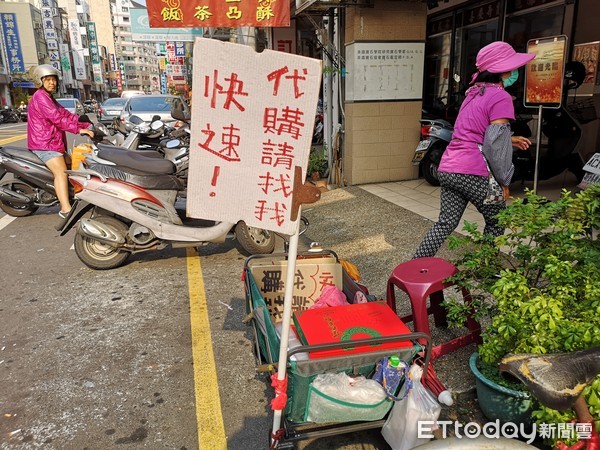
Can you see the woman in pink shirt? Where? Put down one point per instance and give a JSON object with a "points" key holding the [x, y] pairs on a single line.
{"points": [[47, 123], [482, 122]]}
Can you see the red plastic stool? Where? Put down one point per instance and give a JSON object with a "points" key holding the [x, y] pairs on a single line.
{"points": [[421, 279]]}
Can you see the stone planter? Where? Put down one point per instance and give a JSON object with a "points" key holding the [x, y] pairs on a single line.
{"points": [[499, 402]]}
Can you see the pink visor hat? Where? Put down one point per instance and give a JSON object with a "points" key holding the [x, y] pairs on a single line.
{"points": [[500, 57]]}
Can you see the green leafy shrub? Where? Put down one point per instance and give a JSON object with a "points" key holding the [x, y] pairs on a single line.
{"points": [[541, 292], [317, 162]]}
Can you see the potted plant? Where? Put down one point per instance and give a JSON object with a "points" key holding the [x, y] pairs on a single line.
{"points": [[317, 164], [540, 292]]}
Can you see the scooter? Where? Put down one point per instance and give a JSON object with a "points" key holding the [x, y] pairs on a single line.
{"points": [[10, 115], [436, 134], [558, 153], [32, 184], [134, 207]]}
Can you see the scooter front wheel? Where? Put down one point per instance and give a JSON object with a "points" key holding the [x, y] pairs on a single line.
{"points": [[18, 210], [98, 255], [255, 241]]}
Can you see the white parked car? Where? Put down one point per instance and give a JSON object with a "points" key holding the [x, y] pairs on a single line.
{"points": [[72, 104], [147, 107]]}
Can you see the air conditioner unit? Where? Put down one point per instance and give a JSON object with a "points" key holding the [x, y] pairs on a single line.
{"points": [[37, 26]]}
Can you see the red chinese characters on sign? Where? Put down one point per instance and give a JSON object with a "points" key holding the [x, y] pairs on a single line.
{"points": [[253, 130], [218, 13]]}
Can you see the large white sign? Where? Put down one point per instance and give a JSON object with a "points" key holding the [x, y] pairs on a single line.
{"points": [[78, 61], [253, 117], [384, 71]]}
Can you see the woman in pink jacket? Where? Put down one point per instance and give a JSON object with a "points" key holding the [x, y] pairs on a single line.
{"points": [[47, 123]]}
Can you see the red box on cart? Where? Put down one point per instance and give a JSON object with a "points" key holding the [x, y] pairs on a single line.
{"points": [[348, 323]]}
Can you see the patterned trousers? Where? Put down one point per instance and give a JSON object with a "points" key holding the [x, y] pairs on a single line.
{"points": [[457, 191]]}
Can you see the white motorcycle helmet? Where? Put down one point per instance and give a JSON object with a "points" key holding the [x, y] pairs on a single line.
{"points": [[44, 70]]}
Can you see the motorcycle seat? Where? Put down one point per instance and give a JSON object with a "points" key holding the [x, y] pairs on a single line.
{"points": [[556, 380], [148, 153], [22, 153], [137, 161], [141, 179]]}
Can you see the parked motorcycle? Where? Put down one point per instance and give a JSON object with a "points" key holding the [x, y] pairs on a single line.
{"points": [[436, 134], [9, 115], [134, 207], [557, 154]]}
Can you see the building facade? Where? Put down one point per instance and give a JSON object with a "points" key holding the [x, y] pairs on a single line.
{"points": [[379, 112]]}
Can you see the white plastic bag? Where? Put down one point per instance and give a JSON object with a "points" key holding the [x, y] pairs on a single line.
{"points": [[337, 397], [402, 425]]}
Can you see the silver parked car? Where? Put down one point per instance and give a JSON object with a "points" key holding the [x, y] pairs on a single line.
{"points": [[72, 105], [111, 109], [147, 107]]}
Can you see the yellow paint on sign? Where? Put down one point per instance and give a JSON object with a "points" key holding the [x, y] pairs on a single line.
{"points": [[211, 431]]}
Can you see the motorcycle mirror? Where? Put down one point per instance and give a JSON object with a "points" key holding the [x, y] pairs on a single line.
{"points": [[179, 114], [156, 125], [100, 130], [173, 143], [155, 117], [84, 119]]}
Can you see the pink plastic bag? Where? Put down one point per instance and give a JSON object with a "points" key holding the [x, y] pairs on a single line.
{"points": [[330, 296]]}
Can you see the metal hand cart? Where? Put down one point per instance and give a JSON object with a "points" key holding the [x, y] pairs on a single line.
{"points": [[301, 371]]}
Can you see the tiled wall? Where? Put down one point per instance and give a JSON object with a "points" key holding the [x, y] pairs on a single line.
{"points": [[381, 137]]}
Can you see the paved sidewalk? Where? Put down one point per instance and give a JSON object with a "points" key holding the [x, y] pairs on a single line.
{"points": [[420, 197]]}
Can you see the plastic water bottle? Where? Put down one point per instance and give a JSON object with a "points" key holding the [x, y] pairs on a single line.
{"points": [[393, 373]]}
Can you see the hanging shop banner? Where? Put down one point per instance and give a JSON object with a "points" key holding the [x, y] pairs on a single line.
{"points": [[217, 13], [141, 31], [78, 61], [65, 63], [252, 123], [544, 75], [94, 52], [179, 49], [10, 30], [48, 14]]}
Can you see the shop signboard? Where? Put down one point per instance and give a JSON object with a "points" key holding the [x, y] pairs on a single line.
{"points": [[216, 13], [78, 61], [141, 31], [544, 75], [65, 63], [10, 31], [95, 52]]}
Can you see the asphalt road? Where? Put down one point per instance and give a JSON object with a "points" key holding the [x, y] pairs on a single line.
{"points": [[150, 355]]}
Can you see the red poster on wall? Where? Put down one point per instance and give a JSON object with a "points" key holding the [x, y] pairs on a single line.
{"points": [[218, 13]]}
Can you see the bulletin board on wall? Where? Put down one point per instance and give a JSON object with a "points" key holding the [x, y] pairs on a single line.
{"points": [[384, 71]]}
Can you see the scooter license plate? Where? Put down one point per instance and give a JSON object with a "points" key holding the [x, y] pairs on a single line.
{"points": [[421, 151]]}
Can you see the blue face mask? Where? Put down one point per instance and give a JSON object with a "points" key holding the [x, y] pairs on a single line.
{"points": [[514, 76]]}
